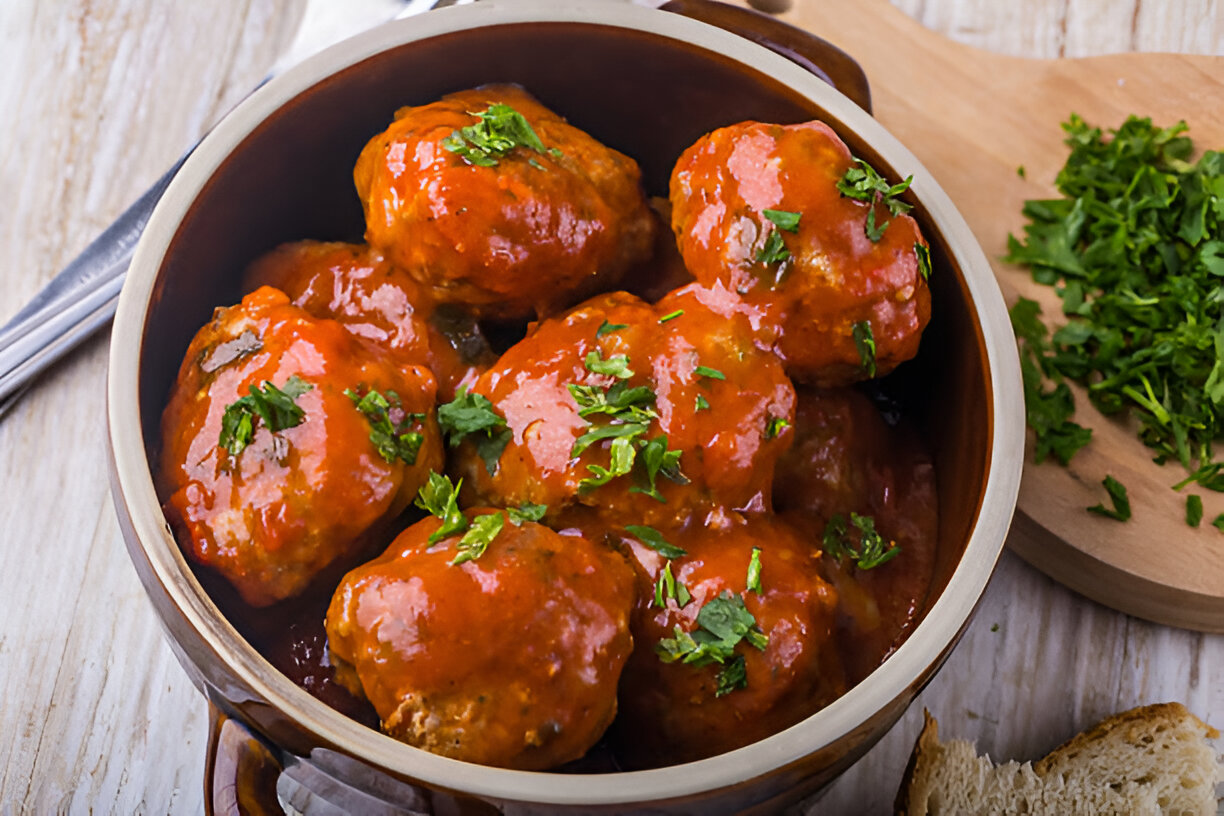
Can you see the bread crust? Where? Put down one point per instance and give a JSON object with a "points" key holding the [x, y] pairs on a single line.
{"points": [[1146, 729]]}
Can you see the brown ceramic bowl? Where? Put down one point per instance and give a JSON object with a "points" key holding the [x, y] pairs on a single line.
{"points": [[647, 82]]}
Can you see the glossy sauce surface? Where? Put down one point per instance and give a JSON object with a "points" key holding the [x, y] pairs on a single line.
{"points": [[535, 232], [835, 275], [509, 659], [355, 285], [299, 500]]}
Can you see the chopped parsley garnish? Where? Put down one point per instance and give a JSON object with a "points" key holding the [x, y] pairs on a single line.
{"points": [[480, 533], [722, 623], [775, 426], [671, 316], [1135, 250], [1194, 510], [702, 404], [862, 183], [1117, 494], [615, 366], [864, 341], [389, 425], [668, 587], [606, 328], [733, 676], [712, 373], [653, 539], [774, 251], [275, 406], [630, 411], [526, 512], [1047, 411], [469, 414], [657, 460], [440, 497], [501, 129], [783, 220], [924, 260], [1218, 522], [623, 455], [754, 572], [869, 551]]}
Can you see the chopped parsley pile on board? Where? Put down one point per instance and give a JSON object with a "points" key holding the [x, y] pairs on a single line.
{"points": [[1135, 250]]}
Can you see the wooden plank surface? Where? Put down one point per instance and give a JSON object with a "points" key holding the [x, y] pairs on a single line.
{"points": [[95, 100]]}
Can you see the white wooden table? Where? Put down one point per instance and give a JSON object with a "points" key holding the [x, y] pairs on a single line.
{"points": [[96, 99]]}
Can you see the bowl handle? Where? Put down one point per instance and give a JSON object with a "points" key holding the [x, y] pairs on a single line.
{"points": [[821, 57], [240, 771]]}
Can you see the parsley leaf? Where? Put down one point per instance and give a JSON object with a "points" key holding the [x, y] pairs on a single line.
{"points": [[657, 461], [501, 129], [1194, 509], [701, 404], [783, 219], [653, 539], [615, 366], [754, 572], [1121, 504], [774, 250], [712, 373], [389, 425], [668, 587], [469, 413], [275, 406], [440, 498], [623, 455], [924, 260], [864, 341], [480, 534], [775, 426], [526, 512], [606, 328], [870, 550]]}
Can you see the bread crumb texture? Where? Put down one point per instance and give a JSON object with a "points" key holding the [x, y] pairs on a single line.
{"points": [[1154, 760]]}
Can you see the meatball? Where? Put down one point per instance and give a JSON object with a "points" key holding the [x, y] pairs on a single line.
{"points": [[357, 286], [647, 413], [733, 642], [272, 472], [491, 200], [511, 658], [757, 207], [847, 460]]}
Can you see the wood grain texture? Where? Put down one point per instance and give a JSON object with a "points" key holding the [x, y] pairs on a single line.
{"points": [[95, 100]]}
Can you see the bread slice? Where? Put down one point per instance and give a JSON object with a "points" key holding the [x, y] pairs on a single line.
{"points": [[1149, 760]]}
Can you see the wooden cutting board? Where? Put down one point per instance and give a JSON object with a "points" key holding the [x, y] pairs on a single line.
{"points": [[972, 118]]}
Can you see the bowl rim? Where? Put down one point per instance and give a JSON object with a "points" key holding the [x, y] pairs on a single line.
{"points": [[910, 665]]}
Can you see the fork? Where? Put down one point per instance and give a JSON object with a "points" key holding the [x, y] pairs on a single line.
{"points": [[82, 297]]}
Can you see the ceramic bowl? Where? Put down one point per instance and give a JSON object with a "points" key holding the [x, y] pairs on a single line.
{"points": [[647, 82]]}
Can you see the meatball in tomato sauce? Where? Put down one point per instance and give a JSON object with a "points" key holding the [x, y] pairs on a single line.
{"points": [[509, 657], [733, 641], [271, 457], [356, 285], [493, 201], [864, 490], [646, 413], [784, 216]]}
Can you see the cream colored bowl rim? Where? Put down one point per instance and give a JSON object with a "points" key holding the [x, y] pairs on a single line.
{"points": [[928, 641]]}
